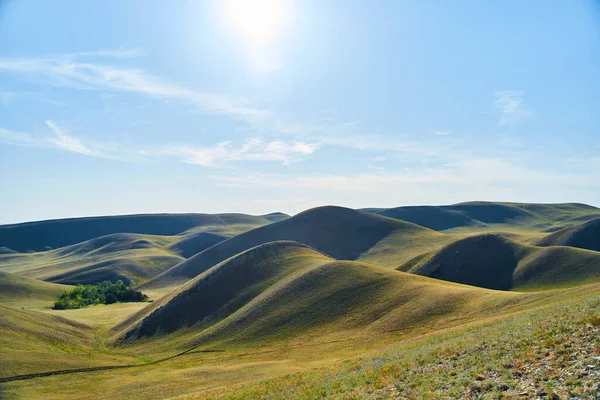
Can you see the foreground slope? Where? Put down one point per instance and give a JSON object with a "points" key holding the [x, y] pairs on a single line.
{"points": [[481, 214], [132, 258], [223, 289], [339, 232], [493, 261], [52, 234], [281, 290], [585, 236]]}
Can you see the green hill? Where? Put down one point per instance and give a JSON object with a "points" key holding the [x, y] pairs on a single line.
{"points": [[495, 262], [193, 243], [132, 258], [585, 236], [339, 232], [483, 214], [281, 290], [52, 234], [17, 291], [223, 289]]}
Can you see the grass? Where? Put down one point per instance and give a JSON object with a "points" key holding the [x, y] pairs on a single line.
{"points": [[496, 262], [53, 234], [17, 292], [132, 258], [339, 365], [549, 353], [483, 215], [585, 235], [339, 232], [285, 320]]}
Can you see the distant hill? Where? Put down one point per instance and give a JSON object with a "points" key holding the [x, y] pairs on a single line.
{"points": [[339, 232], [585, 236], [52, 234], [132, 258], [194, 243], [495, 262], [283, 289], [481, 214]]}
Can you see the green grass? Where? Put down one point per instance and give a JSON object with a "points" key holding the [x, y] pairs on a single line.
{"points": [[132, 258], [339, 232], [20, 292], [482, 215], [283, 320], [281, 291], [585, 235], [545, 353], [496, 262]]}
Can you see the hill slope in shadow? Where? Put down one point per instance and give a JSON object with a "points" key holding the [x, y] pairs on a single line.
{"points": [[584, 236], [495, 262], [52, 234], [482, 214], [132, 258], [281, 290], [224, 288], [339, 232]]}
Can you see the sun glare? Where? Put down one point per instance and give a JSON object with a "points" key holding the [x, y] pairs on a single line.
{"points": [[256, 20]]}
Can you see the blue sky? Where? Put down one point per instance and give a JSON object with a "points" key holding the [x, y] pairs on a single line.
{"points": [[119, 107]]}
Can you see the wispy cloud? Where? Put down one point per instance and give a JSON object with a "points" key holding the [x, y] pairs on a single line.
{"points": [[441, 133], [66, 142], [59, 140], [69, 71], [511, 106], [484, 178], [253, 149]]}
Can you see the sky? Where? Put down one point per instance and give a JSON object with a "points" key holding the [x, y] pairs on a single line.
{"points": [[122, 107]]}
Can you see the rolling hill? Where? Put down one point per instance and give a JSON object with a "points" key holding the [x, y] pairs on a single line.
{"points": [[132, 258], [585, 236], [280, 290], [341, 233], [52, 234], [495, 262], [483, 214], [17, 291]]}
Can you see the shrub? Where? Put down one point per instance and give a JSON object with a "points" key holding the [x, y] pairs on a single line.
{"points": [[99, 293]]}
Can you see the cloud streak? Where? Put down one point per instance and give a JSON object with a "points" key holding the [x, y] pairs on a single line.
{"points": [[57, 140], [253, 149], [70, 72], [511, 107]]}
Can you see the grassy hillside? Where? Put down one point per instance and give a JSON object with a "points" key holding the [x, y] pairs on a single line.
{"points": [[193, 243], [34, 342], [585, 236], [281, 290], [20, 292], [52, 234], [549, 353], [132, 258], [223, 289], [483, 214], [339, 232], [493, 261]]}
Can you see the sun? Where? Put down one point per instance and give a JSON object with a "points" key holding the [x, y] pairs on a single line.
{"points": [[256, 20]]}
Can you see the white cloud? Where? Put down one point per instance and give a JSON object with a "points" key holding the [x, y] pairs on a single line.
{"points": [[441, 133], [253, 149], [68, 71], [66, 142], [511, 106], [469, 173], [58, 140]]}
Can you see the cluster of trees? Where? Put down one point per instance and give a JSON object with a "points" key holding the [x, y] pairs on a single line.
{"points": [[98, 293]]}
